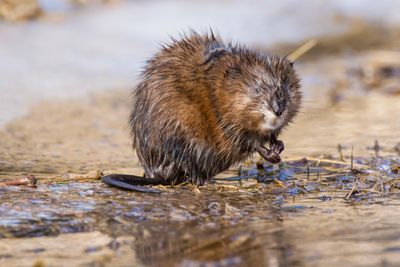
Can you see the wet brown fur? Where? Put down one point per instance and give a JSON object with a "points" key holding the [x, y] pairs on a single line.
{"points": [[195, 113]]}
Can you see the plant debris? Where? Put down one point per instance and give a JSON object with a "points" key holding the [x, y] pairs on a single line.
{"points": [[28, 180]]}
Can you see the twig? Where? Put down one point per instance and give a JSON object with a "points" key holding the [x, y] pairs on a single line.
{"points": [[318, 162], [351, 159], [355, 185], [293, 56], [323, 161], [340, 149], [376, 148], [279, 183], [28, 180], [236, 178]]}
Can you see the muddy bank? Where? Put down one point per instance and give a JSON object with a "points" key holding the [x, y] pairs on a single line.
{"points": [[360, 36], [70, 136]]}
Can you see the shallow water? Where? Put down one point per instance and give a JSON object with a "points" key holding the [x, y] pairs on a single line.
{"points": [[216, 226]]}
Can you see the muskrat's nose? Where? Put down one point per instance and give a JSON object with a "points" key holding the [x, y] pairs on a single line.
{"points": [[277, 108], [278, 111]]}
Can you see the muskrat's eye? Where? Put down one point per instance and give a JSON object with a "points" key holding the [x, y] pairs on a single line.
{"points": [[258, 89]]}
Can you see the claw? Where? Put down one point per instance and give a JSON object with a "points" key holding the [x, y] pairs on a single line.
{"points": [[276, 145], [268, 154]]}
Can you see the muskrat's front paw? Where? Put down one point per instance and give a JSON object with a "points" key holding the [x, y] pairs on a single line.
{"points": [[269, 155], [277, 146], [273, 157]]}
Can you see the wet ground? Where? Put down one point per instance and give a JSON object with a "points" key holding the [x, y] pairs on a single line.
{"points": [[333, 202]]}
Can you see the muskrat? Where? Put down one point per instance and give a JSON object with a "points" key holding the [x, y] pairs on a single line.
{"points": [[202, 105]]}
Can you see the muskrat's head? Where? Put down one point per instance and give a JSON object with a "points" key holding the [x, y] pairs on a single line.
{"points": [[264, 91]]}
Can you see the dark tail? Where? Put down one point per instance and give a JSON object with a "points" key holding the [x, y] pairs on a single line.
{"points": [[133, 182]]}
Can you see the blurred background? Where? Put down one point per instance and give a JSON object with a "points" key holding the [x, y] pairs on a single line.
{"points": [[67, 48]]}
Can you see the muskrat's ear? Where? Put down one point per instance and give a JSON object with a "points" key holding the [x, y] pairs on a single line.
{"points": [[214, 52]]}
